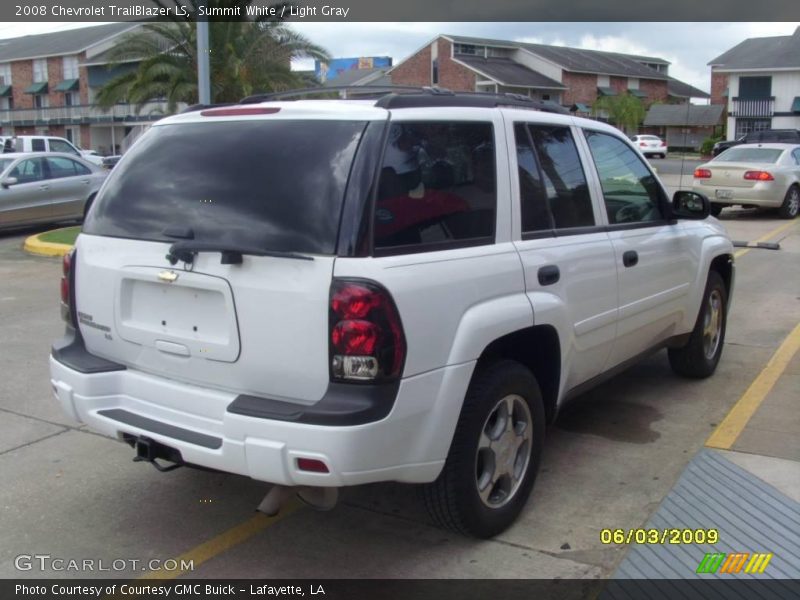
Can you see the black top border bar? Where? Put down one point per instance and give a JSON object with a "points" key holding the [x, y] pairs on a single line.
{"points": [[409, 10]]}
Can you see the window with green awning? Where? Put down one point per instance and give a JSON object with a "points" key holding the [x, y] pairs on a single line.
{"points": [[38, 87], [5, 91], [606, 91], [68, 85]]}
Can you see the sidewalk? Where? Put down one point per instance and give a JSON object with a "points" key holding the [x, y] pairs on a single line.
{"points": [[745, 483]]}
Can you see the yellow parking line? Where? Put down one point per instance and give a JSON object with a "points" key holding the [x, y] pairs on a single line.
{"points": [[728, 431], [224, 541], [766, 237]]}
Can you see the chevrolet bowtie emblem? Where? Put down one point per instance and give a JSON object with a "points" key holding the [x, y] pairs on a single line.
{"points": [[168, 276]]}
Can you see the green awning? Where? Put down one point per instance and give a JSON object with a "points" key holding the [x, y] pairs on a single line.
{"points": [[578, 107], [5, 90], [606, 91], [638, 93], [68, 85], [39, 87], [796, 105]]}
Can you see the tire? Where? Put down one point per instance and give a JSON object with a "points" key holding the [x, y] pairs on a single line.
{"points": [[699, 357], [480, 442], [716, 209], [791, 203]]}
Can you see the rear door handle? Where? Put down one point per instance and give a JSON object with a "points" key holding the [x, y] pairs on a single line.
{"points": [[548, 275], [630, 258]]}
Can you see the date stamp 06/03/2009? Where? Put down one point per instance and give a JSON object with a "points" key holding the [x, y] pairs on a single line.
{"points": [[659, 536]]}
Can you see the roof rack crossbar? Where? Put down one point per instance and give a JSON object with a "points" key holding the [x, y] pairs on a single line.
{"points": [[300, 92]]}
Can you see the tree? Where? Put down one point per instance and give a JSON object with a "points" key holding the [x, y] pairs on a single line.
{"points": [[246, 57], [625, 111]]}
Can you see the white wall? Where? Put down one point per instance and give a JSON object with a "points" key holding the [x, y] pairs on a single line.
{"points": [[545, 67]]}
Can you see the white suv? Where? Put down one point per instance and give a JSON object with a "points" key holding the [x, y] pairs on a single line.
{"points": [[324, 293]]}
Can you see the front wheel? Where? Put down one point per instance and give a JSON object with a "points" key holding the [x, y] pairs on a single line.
{"points": [[494, 455], [699, 357], [791, 203]]}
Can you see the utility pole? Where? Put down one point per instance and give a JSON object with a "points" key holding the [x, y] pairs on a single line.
{"points": [[203, 70]]}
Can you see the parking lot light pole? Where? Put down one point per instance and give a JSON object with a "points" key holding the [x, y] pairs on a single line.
{"points": [[203, 71]]}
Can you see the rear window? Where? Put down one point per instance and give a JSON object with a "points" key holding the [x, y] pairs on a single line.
{"points": [[751, 155], [273, 185]]}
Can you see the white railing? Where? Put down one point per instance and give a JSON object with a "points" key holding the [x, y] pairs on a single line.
{"points": [[150, 111], [753, 107]]}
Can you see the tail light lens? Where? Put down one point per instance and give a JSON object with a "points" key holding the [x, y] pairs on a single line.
{"points": [[702, 174], [366, 336], [663, 143], [642, 144], [67, 283], [758, 176]]}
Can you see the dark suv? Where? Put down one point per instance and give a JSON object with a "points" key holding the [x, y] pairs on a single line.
{"points": [[754, 137]]}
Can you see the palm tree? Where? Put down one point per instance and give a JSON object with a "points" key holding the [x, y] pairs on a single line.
{"points": [[625, 111], [246, 57]]}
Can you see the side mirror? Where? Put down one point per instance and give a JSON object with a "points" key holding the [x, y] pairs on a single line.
{"points": [[690, 205], [9, 181]]}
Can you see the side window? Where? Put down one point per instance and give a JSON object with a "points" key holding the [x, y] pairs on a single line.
{"points": [[61, 146], [630, 190], [796, 155], [437, 186], [62, 167], [37, 145], [28, 171], [553, 188]]}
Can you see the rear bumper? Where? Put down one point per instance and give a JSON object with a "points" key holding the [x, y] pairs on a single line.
{"points": [[761, 194], [409, 444]]}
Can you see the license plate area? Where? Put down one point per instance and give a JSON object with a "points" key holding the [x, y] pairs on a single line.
{"points": [[723, 194], [193, 311]]}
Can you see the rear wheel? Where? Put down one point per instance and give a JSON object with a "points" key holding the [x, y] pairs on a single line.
{"points": [[495, 453], [699, 357], [791, 203], [716, 209]]}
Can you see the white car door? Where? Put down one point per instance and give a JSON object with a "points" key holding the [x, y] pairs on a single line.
{"points": [[568, 260], [655, 261]]}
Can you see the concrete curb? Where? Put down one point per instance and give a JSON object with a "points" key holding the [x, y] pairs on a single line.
{"points": [[34, 245]]}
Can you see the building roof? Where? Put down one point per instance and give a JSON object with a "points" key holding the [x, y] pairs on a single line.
{"points": [[693, 115], [577, 59], [507, 72], [768, 52], [373, 76], [72, 41], [684, 90]]}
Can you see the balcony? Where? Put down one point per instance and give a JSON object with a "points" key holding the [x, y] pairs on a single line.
{"points": [[753, 107], [84, 114]]}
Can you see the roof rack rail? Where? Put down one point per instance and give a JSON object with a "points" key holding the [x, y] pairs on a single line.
{"points": [[300, 92], [404, 96]]}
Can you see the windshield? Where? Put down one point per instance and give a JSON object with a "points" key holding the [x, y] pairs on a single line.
{"points": [[750, 155], [273, 185]]}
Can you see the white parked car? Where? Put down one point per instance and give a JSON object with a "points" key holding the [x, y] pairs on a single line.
{"points": [[762, 175], [650, 145], [329, 293], [47, 143]]}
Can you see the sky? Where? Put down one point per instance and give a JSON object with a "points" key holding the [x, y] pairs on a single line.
{"points": [[688, 46]]}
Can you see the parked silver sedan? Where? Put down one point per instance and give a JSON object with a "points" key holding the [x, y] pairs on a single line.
{"points": [[764, 175], [43, 187]]}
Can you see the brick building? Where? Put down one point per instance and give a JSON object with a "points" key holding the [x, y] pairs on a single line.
{"points": [[48, 85], [567, 76], [758, 81]]}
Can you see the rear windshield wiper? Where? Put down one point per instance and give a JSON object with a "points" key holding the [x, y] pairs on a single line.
{"points": [[185, 251]]}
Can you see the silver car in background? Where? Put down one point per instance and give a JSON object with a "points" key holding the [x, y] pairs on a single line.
{"points": [[762, 175], [650, 145], [43, 187]]}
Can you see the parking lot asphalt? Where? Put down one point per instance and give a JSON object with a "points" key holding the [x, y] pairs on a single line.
{"points": [[610, 459]]}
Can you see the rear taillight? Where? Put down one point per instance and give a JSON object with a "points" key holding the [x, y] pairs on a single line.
{"points": [[663, 143], [67, 281], [702, 173], [642, 144], [758, 176], [366, 335]]}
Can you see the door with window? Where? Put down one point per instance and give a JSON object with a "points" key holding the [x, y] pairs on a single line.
{"points": [[654, 258], [27, 200], [567, 258], [69, 183]]}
